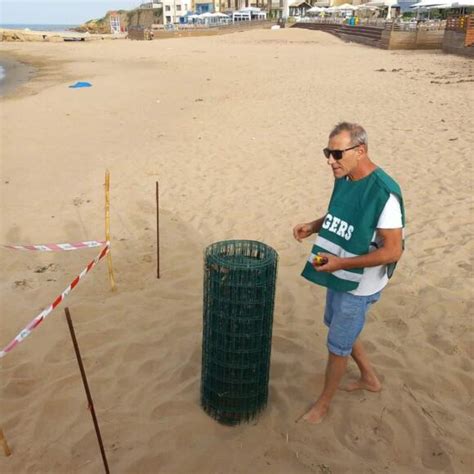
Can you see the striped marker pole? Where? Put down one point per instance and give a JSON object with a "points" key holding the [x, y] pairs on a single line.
{"points": [[107, 229], [157, 230], [42, 316]]}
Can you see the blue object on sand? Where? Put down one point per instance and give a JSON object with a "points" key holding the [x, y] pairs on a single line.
{"points": [[78, 85]]}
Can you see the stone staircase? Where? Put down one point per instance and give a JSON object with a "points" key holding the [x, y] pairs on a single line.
{"points": [[368, 35]]}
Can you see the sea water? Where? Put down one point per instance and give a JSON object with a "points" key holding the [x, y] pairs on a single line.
{"points": [[35, 27]]}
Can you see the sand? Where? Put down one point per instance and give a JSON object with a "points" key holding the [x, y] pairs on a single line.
{"points": [[231, 127]]}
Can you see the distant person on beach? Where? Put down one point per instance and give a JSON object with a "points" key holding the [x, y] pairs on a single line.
{"points": [[358, 244]]}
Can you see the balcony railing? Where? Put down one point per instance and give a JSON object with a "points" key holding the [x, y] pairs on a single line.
{"points": [[380, 23]]}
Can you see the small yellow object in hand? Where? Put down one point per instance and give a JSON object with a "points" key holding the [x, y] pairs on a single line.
{"points": [[318, 260]]}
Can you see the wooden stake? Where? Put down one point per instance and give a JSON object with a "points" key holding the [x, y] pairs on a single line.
{"points": [[157, 230], [86, 388], [107, 229], [3, 442]]}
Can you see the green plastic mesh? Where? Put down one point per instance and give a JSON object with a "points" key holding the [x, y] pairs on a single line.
{"points": [[239, 295]]}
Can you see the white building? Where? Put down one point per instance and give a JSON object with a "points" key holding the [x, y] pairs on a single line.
{"points": [[173, 9]]}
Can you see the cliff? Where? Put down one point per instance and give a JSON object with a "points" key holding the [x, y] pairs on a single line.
{"points": [[136, 17]]}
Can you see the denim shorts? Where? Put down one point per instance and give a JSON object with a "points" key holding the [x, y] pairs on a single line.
{"points": [[345, 317]]}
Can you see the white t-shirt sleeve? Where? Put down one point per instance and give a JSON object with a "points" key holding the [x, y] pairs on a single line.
{"points": [[391, 217]]}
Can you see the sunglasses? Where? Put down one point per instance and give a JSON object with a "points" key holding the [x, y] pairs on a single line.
{"points": [[337, 154]]}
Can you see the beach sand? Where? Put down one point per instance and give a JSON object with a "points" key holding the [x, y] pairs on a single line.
{"points": [[232, 127]]}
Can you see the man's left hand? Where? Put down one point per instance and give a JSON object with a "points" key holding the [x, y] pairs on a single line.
{"points": [[333, 264]]}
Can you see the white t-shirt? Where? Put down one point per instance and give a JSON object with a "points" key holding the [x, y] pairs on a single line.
{"points": [[374, 279]]}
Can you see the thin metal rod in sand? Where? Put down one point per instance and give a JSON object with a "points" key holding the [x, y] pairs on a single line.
{"points": [[86, 387], [107, 228], [3, 442], [157, 230]]}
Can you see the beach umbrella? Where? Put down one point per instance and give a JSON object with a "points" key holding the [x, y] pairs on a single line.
{"points": [[428, 3], [456, 4], [374, 4], [383, 4], [346, 6]]}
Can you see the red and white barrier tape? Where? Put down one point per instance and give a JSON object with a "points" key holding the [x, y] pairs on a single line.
{"points": [[88, 244], [42, 316]]}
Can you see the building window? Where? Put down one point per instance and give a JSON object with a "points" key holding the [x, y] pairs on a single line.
{"points": [[178, 8], [167, 8], [168, 19]]}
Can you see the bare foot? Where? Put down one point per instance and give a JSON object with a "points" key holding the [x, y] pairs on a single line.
{"points": [[372, 386], [316, 413]]}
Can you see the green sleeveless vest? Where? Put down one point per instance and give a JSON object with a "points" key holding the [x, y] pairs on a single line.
{"points": [[350, 223]]}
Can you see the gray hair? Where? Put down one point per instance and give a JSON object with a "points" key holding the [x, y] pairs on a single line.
{"points": [[356, 131]]}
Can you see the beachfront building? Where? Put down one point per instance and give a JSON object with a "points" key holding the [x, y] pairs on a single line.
{"points": [[205, 6], [299, 8], [276, 8], [211, 6], [174, 9]]}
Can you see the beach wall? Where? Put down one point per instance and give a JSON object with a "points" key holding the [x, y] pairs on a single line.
{"points": [[362, 34], [454, 43], [419, 39], [381, 38], [232, 28], [144, 18]]}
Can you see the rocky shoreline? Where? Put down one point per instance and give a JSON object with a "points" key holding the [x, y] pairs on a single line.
{"points": [[9, 35]]}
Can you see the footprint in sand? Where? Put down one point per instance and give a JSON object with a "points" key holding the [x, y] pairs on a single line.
{"points": [[77, 201], [46, 268], [360, 433], [443, 344], [21, 284], [19, 387], [384, 360], [386, 343], [286, 302], [434, 456], [398, 326]]}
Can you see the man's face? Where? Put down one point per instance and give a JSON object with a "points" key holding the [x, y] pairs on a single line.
{"points": [[350, 158]]}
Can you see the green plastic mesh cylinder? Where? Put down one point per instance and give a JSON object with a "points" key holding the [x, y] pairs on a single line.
{"points": [[239, 295]]}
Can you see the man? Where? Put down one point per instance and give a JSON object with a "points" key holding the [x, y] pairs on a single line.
{"points": [[360, 240]]}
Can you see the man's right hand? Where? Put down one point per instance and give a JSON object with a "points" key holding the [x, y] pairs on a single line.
{"points": [[301, 231]]}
